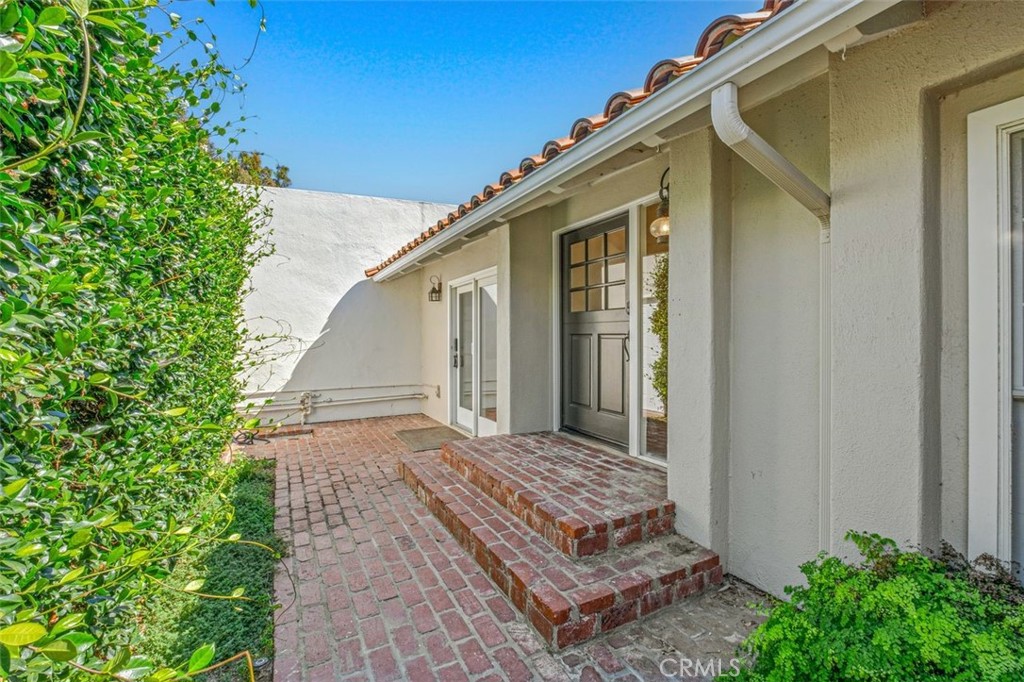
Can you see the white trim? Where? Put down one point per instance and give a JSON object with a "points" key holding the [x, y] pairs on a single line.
{"points": [[479, 274], [801, 28], [989, 442]]}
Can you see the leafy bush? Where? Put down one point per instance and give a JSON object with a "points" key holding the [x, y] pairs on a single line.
{"points": [[899, 615], [124, 253]]}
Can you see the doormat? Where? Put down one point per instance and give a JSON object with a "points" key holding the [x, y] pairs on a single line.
{"points": [[430, 438]]}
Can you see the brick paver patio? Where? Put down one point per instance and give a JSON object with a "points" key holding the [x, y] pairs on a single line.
{"points": [[383, 592]]}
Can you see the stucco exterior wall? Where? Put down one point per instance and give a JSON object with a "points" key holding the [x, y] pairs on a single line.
{"points": [[898, 224], [431, 343], [327, 329], [774, 405]]}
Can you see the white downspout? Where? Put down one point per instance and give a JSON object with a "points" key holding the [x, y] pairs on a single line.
{"points": [[737, 135]]}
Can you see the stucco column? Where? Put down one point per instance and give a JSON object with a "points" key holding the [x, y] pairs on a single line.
{"points": [[526, 259], [885, 295], [698, 332]]}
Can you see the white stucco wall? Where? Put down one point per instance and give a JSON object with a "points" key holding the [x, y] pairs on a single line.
{"points": [[332, 331]]}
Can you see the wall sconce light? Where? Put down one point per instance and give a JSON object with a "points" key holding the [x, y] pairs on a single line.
{"points": [[435, 289], [661, 226]]}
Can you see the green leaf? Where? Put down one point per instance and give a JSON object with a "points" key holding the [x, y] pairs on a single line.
{"points": [[99, 378], [194, 586], [87, 136], [65, 342], [175, 411], [52, 16], [68, 622], [201, 658], [80, 7], [8, 66], [59, 650], [15, 487], [22, 634]]}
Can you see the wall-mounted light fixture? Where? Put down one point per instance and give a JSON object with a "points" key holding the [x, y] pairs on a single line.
{"points": [[661, 226], [435, 289]]}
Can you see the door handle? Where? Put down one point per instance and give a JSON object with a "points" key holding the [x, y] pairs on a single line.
{"points": [[625, 346]]}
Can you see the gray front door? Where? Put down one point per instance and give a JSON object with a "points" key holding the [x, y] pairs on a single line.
{"points": [[595, 331]]}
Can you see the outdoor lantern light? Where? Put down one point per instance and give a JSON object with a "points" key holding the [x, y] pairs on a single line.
{"points": [[660, 226], [435, 290]]}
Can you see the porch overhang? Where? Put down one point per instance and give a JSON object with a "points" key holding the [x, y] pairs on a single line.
{"points": [[678, 108]]}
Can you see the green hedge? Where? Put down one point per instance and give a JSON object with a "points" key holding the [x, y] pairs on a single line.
{"points": [[124, 254], [897, 616]]}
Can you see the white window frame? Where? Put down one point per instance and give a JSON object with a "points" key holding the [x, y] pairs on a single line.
{"points": [[990, 361]]}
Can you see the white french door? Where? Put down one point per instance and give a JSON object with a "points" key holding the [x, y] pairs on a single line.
{"points": [[473, 353]]}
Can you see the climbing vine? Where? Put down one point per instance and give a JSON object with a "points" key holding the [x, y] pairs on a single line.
{"points": [[124, 253], [658, 281]]}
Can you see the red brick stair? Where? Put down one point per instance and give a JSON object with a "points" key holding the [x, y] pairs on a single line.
{"points": [[568, 599], [581, 499]]}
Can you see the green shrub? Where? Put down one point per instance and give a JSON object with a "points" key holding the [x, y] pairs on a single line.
{"points": [[124, 253], [899, 615]]}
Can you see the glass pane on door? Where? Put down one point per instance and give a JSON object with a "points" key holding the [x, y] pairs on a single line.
{"points": [[489, 352], [465, 350]]}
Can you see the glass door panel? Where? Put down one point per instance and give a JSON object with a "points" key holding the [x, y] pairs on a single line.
{"points": [[463, 356], [487, 413]]}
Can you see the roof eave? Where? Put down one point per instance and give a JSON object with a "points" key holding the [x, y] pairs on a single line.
{"points": [[803, 27]]}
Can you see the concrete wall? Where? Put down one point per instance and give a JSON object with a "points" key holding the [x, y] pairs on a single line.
{"points": [[432, 342], [898, 239], [325, 328]]}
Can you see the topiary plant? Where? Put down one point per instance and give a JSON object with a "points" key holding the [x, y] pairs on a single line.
{"points": [[898, 615]]}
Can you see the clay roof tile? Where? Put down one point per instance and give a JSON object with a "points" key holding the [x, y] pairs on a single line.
{"points": [[718, 35]]}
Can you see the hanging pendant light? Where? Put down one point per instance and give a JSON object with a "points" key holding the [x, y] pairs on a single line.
{"points": [[661, 225]]}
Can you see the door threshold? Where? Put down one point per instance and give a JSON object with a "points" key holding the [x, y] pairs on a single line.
{"points": [[596, 441]]}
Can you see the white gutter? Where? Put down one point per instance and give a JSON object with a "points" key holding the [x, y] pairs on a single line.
{"points": [[741, 138], [806, 25], [736, 134]]}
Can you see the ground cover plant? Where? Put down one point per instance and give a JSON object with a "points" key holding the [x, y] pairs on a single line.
{"points": [[124, 255], [897, 615]]}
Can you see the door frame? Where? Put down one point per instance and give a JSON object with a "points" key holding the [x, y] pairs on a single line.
{"points": [[634, 269], [478, 426], [990, 361]]}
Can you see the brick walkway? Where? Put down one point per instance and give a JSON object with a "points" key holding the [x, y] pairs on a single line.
{"points": [[383, 592]]}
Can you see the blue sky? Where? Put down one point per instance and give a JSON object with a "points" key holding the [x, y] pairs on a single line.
{"points": [[434, 100]]}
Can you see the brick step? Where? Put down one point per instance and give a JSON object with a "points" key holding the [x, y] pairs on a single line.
{"points": [[567, 600], [581, 499]]}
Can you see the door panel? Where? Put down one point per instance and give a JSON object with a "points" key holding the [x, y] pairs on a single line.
{"points": [[612, 376], [595, 330], [580, 369], [487, 411]]}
